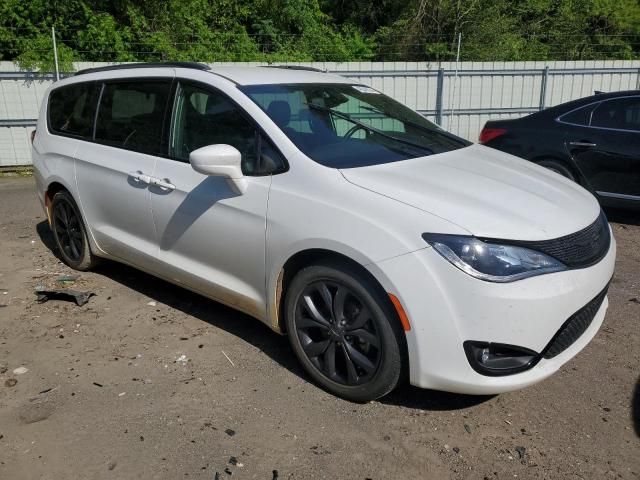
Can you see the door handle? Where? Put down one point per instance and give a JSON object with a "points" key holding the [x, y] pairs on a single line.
{"points": [[163, 184], [582, 144], [140, 177]]}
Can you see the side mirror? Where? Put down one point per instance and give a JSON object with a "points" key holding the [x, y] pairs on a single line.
{"points": [[220, 161]]}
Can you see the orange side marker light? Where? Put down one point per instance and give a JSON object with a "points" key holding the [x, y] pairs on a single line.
{"points": [[401, 313]]}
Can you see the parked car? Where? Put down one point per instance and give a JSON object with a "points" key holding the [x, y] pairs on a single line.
{"points": [[594, 141], [386, 248]]}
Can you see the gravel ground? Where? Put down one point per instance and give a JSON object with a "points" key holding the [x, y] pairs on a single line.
{"points": [[148, 380]]}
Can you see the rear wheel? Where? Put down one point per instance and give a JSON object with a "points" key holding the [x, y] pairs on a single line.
{"points": [[70, 233], [343, 331], [559, 168]]}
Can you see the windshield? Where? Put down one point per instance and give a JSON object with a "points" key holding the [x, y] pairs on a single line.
{"points": [[347, 126]]}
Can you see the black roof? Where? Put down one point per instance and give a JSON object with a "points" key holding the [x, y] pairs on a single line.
{"points": [[599, 96], [123, 66]]}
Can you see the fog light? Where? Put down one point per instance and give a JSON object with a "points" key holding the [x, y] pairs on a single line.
{"points": [[496, 359]]}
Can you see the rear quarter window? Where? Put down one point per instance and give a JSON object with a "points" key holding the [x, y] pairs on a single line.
{"points": [[581, 116], [72, 109]]}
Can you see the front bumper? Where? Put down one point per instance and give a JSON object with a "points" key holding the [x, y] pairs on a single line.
{"points": [[447, 307]]}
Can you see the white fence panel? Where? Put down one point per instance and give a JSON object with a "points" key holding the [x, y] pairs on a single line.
{"points": [[471, 92]]}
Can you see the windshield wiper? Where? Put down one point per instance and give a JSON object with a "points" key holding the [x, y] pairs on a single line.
{"points": [[438, 130], [369, 128]]}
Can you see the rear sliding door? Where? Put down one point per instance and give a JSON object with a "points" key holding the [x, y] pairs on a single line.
{"points": [[113, 170]]}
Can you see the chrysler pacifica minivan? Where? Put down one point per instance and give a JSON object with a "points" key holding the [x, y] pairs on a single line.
{"points": [[386, 248]]}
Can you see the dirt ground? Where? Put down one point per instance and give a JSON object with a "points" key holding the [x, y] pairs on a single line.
{"points": [[137, 384]]}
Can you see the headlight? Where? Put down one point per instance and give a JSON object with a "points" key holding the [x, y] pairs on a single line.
{"points": [[489, 261]]}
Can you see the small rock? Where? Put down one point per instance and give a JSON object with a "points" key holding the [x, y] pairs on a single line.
{"points": [[20, 370], [112, 465], [456, 449], [521, 452], [386, 438], [10, 382], [467, 428], [233, 461], [151, 303], [634, 300], [228, 471], [230, 432], [275, 475]]}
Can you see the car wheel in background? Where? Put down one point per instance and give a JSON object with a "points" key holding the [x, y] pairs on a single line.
{"points": [[343, 331], [70, 233]]}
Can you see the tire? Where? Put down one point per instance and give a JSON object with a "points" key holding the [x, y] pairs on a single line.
{"points": [[360, 331], [559, 168], [70, 233]]}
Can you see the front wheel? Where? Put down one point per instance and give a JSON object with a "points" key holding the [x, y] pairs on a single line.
{"points": [[344, 332]]}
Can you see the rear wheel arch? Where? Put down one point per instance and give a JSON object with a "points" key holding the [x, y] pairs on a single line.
{"points": [[562, 166], [53, 188]]}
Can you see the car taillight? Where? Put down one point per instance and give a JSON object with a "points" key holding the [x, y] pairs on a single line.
{"points": [[33, 135], [489, 134]]}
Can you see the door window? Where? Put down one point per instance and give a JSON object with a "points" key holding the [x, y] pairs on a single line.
{"points": [[72, 109], [204, 117], [620, 114], [131, 116]]}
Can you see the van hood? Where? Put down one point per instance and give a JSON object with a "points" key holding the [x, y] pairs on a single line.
{"points": [[489, 193]]}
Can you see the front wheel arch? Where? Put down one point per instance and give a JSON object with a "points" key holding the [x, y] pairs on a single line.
{"points": [[316, 256]]}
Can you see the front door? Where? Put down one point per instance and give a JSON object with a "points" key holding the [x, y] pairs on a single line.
{"points": [[113, 171], [608, 150], [212, 238]]}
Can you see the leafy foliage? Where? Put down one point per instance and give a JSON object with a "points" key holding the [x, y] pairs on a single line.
{"points": [[307, 30]]}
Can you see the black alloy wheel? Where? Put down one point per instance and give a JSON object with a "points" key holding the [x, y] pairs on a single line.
{"points": [[337, 333], [344, 331], [69, 232]]}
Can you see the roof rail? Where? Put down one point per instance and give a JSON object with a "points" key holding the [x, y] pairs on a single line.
{"points": [[122, 66], [297, 67]]}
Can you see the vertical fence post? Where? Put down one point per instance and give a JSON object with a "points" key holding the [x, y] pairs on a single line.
{"points": [[439, 96], [638, 81], [55, 52], [543, 87]]}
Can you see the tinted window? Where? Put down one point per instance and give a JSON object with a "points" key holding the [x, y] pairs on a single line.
{"points": [[621, 113], [203, 117], [581, 116], [344, 126], [131, 115], [72, 109]]}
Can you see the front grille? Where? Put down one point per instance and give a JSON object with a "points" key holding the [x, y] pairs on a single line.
{"points": [[574, 327], [579, 249]]}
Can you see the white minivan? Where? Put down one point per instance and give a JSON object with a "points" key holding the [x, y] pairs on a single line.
{"points": [[386, 248]]}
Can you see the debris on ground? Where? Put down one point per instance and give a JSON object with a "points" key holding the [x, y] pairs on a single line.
{"points": [[182, 359], [230, 432], [67, 279], [467, 428], [80, 298], [521, 452], [275, 475], [152, 303], [10, 382], [227, 356], [634, 300], [20, 370]]}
